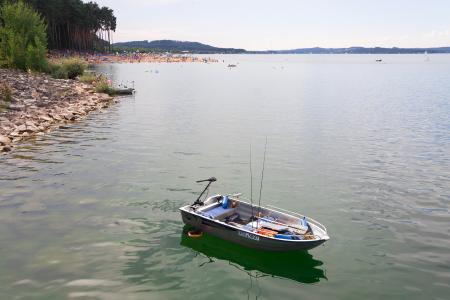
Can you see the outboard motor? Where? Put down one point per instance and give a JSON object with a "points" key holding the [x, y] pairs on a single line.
{"points": [[209, 180]]}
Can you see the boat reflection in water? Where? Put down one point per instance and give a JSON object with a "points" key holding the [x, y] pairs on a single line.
{"points": [[299, 266]]}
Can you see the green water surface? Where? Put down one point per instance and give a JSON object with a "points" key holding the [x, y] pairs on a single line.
{"points": [[90, 211]]}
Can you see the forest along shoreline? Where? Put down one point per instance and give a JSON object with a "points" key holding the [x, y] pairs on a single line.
{"points": [[32, 104]]}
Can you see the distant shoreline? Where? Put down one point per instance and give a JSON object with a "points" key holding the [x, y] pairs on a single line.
{"points": [[134, 57], [360, 50], [182, 47]]}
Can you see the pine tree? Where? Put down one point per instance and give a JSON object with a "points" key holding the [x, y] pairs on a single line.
{"points": [[75, 25]]}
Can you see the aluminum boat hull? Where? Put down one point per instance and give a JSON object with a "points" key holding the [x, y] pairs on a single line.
{"points": [[244, 237]]}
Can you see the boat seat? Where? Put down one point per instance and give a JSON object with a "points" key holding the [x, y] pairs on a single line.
{"points": [[219, 213]]}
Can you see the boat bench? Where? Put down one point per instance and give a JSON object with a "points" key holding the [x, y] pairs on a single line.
{"points": [[219, 213]]}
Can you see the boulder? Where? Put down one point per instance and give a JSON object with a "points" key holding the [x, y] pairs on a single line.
{"points": [[32, 128], [16, 107], [6, 148], [56, 117], [4, 140], [30, 123], [69, 116], [45, 118]]}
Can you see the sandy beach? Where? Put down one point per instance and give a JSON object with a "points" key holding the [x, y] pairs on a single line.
{"points": [[101, 58]]}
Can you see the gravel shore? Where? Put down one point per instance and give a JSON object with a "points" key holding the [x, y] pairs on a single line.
{"points": [[40, 103]]}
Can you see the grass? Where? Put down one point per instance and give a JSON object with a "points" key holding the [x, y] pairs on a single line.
{"points": [[103, 86], [56, 71], [101, 83], [68, 68], [5, 96], [72, 68], [88, 77], [5, 92]]}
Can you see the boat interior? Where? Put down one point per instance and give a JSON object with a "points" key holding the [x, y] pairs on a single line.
{"points": [[264, 221]]}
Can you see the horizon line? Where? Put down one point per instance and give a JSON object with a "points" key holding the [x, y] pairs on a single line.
{"points": [[280, 49]]}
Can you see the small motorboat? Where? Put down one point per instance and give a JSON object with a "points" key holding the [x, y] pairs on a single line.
{"points": [[124, 91], [232, 218], [232, 66]]}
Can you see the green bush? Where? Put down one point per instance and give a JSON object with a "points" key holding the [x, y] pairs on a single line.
{"points": [[5, 95], [69, 68], [88, 77], [23, 38], [103, 86], [74, 67], [5, 92], [56, 71]]}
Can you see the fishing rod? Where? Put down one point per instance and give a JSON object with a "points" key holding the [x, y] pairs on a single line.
{"points": [[210, 180], [251, 184], [261, 185]]}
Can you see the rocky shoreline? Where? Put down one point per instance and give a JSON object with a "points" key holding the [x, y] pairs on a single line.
{"points": [[39, 103]]}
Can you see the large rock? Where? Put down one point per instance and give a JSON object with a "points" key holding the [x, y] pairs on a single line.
{"points": [[21, 128], [32, 128], [69, 116], [17, 107], [45, 118], [6, 148], [30, 123], [4, 140], [55, 116]]}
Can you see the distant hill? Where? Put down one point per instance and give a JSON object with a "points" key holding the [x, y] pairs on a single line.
{"points": [[195, 47], [361, 50], [175, 46]]}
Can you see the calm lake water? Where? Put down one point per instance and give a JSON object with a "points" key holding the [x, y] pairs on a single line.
{"points": [[91, 210]]}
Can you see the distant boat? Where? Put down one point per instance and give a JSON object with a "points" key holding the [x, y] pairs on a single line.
{"points": [[124, 91], [379, 60], [232, 66]]}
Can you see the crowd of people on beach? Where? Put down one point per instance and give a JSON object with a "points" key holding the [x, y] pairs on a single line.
{"points": [[130, 57]]}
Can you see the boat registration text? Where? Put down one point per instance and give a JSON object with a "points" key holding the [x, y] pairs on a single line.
{"points": [[248, 235]]}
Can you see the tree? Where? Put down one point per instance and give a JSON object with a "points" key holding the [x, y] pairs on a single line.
{"points": [[73, 24], [23, 38]]}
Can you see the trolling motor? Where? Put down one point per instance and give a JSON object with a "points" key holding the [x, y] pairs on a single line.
{"points": [[210, 180]]}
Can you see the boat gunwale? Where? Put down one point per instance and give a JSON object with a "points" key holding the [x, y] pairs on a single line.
{"points": [[183, 208], [288, 212]]}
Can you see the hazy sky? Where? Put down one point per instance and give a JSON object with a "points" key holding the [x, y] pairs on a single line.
{"points": [[286, 24]]}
